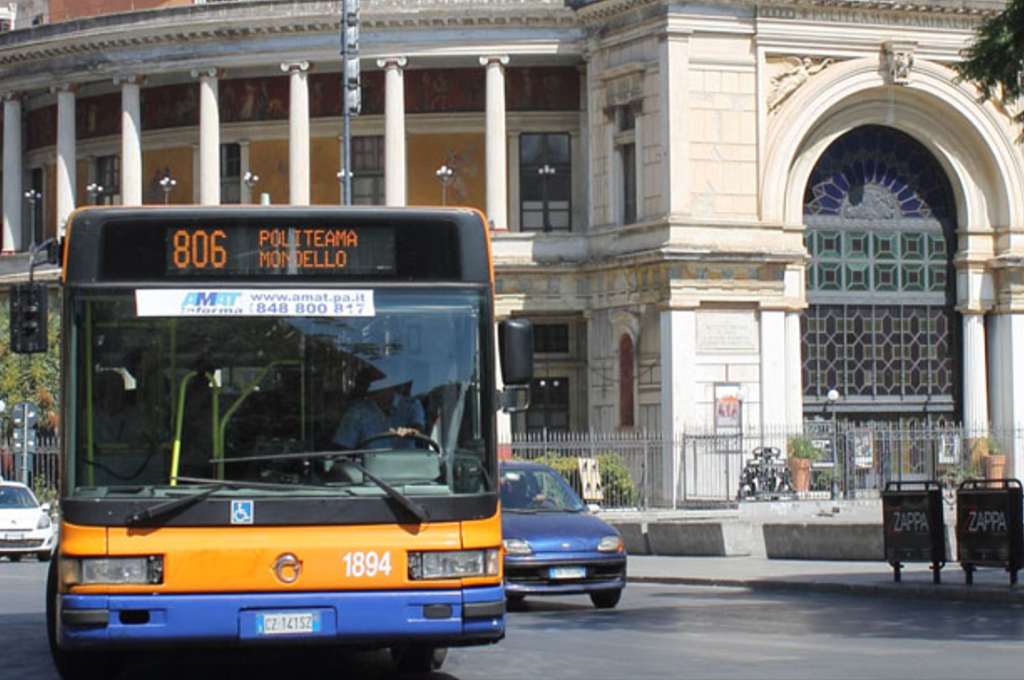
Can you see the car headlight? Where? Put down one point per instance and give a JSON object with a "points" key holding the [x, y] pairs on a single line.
{"points": [[517, 546], [610, 544], [44, 522], [444, 564], [85, 571]]}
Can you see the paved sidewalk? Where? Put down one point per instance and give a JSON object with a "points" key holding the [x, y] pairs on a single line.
{"points": [[859, 578]]}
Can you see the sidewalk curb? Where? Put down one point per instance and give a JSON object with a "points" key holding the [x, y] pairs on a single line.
{"points": [[1001, 595]]}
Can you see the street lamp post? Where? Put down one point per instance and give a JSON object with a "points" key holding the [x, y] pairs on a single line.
{"points": [[167, 183], [33, 197], [445, 174], [546, 172], [95, 191], [833, 397]]}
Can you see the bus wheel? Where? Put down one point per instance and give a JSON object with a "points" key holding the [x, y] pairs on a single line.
{"points": [[418, 658], [73, 665]]}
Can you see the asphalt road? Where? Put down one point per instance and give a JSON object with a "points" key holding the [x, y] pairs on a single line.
{"points": [[658, 631]]}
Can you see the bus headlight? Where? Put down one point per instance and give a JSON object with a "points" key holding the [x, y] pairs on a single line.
{"points": [[85, 571], [426, 566], [610, 544]]}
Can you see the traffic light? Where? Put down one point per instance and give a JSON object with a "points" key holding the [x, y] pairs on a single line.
{"points": [[28, 318], [24, 417], [352, 92]]}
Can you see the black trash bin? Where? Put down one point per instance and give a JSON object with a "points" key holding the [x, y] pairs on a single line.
{"points": [[989, 530], [913, 526]]}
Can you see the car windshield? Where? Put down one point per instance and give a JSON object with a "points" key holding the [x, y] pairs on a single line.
{"points": [[12, 497], [164, 401], [537, 490]]}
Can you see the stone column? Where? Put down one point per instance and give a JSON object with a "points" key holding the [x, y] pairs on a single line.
{"points": [[131, 140], [976, 418], [773, 372], [12, 227], [298, 132], [394, 130], [209, 136], [673, 74], [497, 166], [794, 374], [66, 164], [678, 392]]}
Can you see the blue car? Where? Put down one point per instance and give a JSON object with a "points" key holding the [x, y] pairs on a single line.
{"points": [[553, 544]]}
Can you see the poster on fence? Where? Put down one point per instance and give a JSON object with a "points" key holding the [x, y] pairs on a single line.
{"points": [[949, 449], [590, 480], [728, 407], [863, 446]]}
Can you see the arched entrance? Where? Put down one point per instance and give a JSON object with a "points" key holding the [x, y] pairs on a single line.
{"points": [[881, 327]]}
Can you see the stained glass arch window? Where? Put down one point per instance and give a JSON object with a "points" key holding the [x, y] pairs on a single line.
{"points": [[881, 327]]}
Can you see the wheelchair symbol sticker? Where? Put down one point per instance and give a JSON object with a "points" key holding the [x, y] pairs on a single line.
{"points": [[241, 512]]}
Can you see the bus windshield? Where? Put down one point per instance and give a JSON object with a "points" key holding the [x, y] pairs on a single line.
{"points": [[278, 404]]}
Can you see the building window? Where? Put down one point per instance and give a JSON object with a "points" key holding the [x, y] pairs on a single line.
{"points": [[549, 405], [368, 170], [627, 409], [551, 338], [625, 147], [545, 182], [108, 179], [230, 173]]}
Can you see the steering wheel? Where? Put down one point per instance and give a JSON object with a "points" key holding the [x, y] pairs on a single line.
{"points": [[431, 443], [544, 502]]}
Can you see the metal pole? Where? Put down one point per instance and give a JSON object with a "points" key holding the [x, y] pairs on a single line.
{"points": [[24, 444], [346, 122]]}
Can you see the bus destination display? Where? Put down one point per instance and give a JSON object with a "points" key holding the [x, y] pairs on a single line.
{"points": [[300, 250]]}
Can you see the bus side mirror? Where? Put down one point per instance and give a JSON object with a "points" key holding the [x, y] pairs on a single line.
{"points": [[515, 345], [28, 318]]}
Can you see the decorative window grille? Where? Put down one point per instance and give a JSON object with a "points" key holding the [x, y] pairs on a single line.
{"points": [[881, 327]]}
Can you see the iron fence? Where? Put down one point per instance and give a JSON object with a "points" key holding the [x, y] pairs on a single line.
{"points": [[39, 468], [643, 470]]}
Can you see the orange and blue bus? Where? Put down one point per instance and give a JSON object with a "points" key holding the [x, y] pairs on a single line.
{"points": [[278, 425]]}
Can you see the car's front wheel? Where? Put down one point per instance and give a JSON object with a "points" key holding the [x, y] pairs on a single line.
{"points": [[44, 556], [606, 599]]}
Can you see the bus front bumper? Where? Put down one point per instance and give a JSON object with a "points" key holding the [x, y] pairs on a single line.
{"points": [[448, 618]]}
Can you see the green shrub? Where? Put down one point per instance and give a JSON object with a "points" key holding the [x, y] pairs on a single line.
{"points": [[616, 483]]}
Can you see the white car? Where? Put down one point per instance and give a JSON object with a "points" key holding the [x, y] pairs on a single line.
{"points": [[25, 526]]}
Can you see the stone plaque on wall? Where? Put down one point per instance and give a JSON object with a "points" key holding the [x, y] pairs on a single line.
{"points": [[727, 332]]}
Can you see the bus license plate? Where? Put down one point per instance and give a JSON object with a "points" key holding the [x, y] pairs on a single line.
{"points": [[568, 572], [288, 623]]}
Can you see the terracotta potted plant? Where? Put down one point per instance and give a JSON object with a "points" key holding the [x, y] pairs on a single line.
{"points": [[995, 460], [800, 454]]}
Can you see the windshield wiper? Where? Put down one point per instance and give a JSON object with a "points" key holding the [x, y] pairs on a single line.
{"points": [[414, 508], [170, 507]]}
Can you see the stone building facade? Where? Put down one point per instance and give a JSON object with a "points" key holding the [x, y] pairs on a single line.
{"points": [[750, 203]]}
